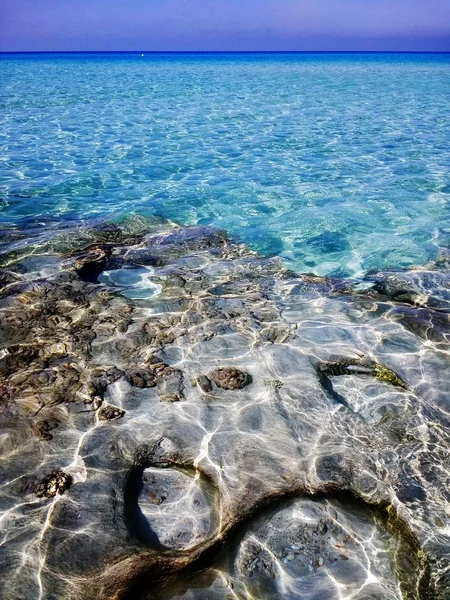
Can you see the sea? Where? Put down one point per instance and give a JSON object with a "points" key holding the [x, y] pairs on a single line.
{"points": [[337, 162], [224, 326]]}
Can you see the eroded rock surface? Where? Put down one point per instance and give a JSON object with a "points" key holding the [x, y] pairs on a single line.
{"points": [[230, 378], [181, 418], [108, 412]]}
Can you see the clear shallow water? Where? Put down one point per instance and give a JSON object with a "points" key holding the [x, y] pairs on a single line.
{"points": [[337, 162], [120, 436]]}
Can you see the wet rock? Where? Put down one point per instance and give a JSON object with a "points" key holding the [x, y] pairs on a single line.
{"points": [[275, 384], [388, 376], [276, 335], [255, 559], [100, 378], [175, 505], [42, 378], [92, 263], [359, 366], [96, 402], [16, 358], [42, 429], [311, 284], [170, 397], [329, 242], [106, 232], [204, 383], [426, 324], [108, 412], [7, 277], [285, 440], [235, 288], [155, 363], [230, 378], [141, 378], [191, 238], [55, 483], [281, 555], [334, 468], [139, 256], [163, 453], [421, 287], [411, 492], [170, 383], [322, 527], [6, 395]]}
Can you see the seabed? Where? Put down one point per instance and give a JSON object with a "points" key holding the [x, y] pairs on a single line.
{"points": [[184, 418]]}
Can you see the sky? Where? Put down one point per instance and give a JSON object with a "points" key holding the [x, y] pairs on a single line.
{"points": [[57, 25]]}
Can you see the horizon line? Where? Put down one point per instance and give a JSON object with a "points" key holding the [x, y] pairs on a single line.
{"points": [[224, 51]]}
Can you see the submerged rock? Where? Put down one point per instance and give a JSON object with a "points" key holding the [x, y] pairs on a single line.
{"points": [[7, 277], [170, 398], [360, 367], [108, 412], [42, 429], [230, 378], [140, 378], [421, 287], [90, 265], [54, 484], [330, 463], [177, 507], [199, 237], [100, 378], [204, 383]]}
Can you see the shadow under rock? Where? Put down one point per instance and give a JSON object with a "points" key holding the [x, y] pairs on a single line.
{"points": [[135, 520]]}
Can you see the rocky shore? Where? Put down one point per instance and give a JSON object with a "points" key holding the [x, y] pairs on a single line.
{"points": [[182, 418]]}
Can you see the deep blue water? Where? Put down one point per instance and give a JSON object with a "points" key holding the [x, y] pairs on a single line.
{"points": [[337, 162]]}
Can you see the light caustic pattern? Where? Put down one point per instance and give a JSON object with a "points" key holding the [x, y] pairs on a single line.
{"points": [[246, 431], [339, 163]]}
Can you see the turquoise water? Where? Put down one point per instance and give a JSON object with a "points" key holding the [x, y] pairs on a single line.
{"points": [[337, 162]]}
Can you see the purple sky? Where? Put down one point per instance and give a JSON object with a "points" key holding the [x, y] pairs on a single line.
{"points": [[225, 25]]}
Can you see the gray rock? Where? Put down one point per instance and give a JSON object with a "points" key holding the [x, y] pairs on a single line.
{"points": [[204, 383], [236, 481]]}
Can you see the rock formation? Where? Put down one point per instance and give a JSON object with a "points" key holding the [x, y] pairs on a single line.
{"points": [[183, 418]]}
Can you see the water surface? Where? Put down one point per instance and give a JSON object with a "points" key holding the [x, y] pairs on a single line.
{"points": [[184, 418], [337, 162]]}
